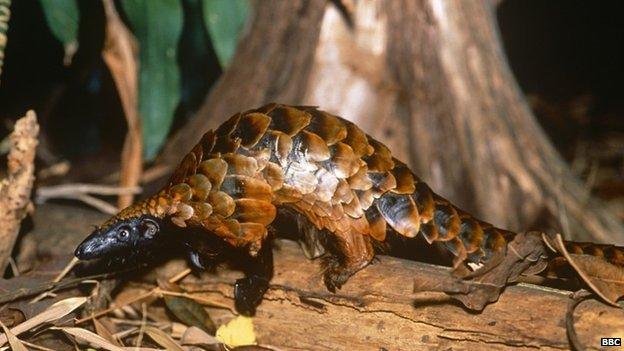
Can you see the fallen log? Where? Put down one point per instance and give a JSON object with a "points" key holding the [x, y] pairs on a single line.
{"points": [[377, 310]]}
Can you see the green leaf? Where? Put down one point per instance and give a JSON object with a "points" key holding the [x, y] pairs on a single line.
{"points": [[190, 313], [225, 20], [62, 17], [157, 25]]}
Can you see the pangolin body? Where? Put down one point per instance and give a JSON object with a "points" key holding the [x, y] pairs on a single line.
{"points": [[345, 184]]}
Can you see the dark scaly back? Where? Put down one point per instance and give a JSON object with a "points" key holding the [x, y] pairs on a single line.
{"points": [[329, 171]]}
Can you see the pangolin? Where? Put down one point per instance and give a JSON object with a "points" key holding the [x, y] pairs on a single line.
{"points": [[344, 189]]}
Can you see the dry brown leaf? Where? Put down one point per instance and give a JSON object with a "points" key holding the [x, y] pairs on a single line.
{"points": [[120, 55], [14, 342], [196, 336], [52, 313], [91, 338], [162, 339], [476, 289], [102, 331], [602, 277]]}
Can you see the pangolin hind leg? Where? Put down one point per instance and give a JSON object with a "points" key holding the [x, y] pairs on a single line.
{"points": [[248, 291], [348, 253]]}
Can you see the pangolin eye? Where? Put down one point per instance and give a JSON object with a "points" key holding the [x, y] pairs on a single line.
{"points": [[123, 233]]}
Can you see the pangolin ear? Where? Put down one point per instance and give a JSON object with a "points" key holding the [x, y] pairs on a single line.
{"points": [[149, 228]]}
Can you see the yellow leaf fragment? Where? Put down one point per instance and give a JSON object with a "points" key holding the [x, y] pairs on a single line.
{"points": [[237, 332]]}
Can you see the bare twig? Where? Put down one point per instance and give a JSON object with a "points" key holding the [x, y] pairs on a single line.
{"points": [[58, 278], [81, 191], [64, 190]]}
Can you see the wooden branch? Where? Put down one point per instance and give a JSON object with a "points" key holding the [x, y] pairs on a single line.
{"points": [[16, 187], [377, 309]]}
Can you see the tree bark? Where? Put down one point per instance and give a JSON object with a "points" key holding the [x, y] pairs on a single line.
{"points": [[376, 309], [429, 79]]}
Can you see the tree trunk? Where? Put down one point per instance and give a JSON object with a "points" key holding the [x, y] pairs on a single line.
{"points": [[429, 79]]}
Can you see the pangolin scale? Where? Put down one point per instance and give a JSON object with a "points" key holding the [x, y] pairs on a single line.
{"points": [[344, 187]]}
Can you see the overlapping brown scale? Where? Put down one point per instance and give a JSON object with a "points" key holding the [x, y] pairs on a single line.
{"points": [[181, 192], [358, 141], [366, 198], [470, 234], [400, 212], [382, 182], [405, 182], [200, 186], [301, 177], [288, 194], [255, 211], [289, 120], [322, 208], [327, 184], [234, 227], [228, 127], [360, 180], [493, 241], [280, 144], [337, 212], [446, 221], [183, 213], [262, 156], [251, 128], [226, 144], [274, 175], [612, 254], [240, 186], [310, 198], [344, 162], [226, 141], [201, 210], [381, 160], [353, 208], [266, 109], [312, 146], [378, 225], [343, 193], [423, 197], [207, 142], [163, 204], [214, 169], [456, 247], [615, 255], [328, 127], [222, 204], [359, 225], [240, 164], [187, 166], [251, 232]]}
